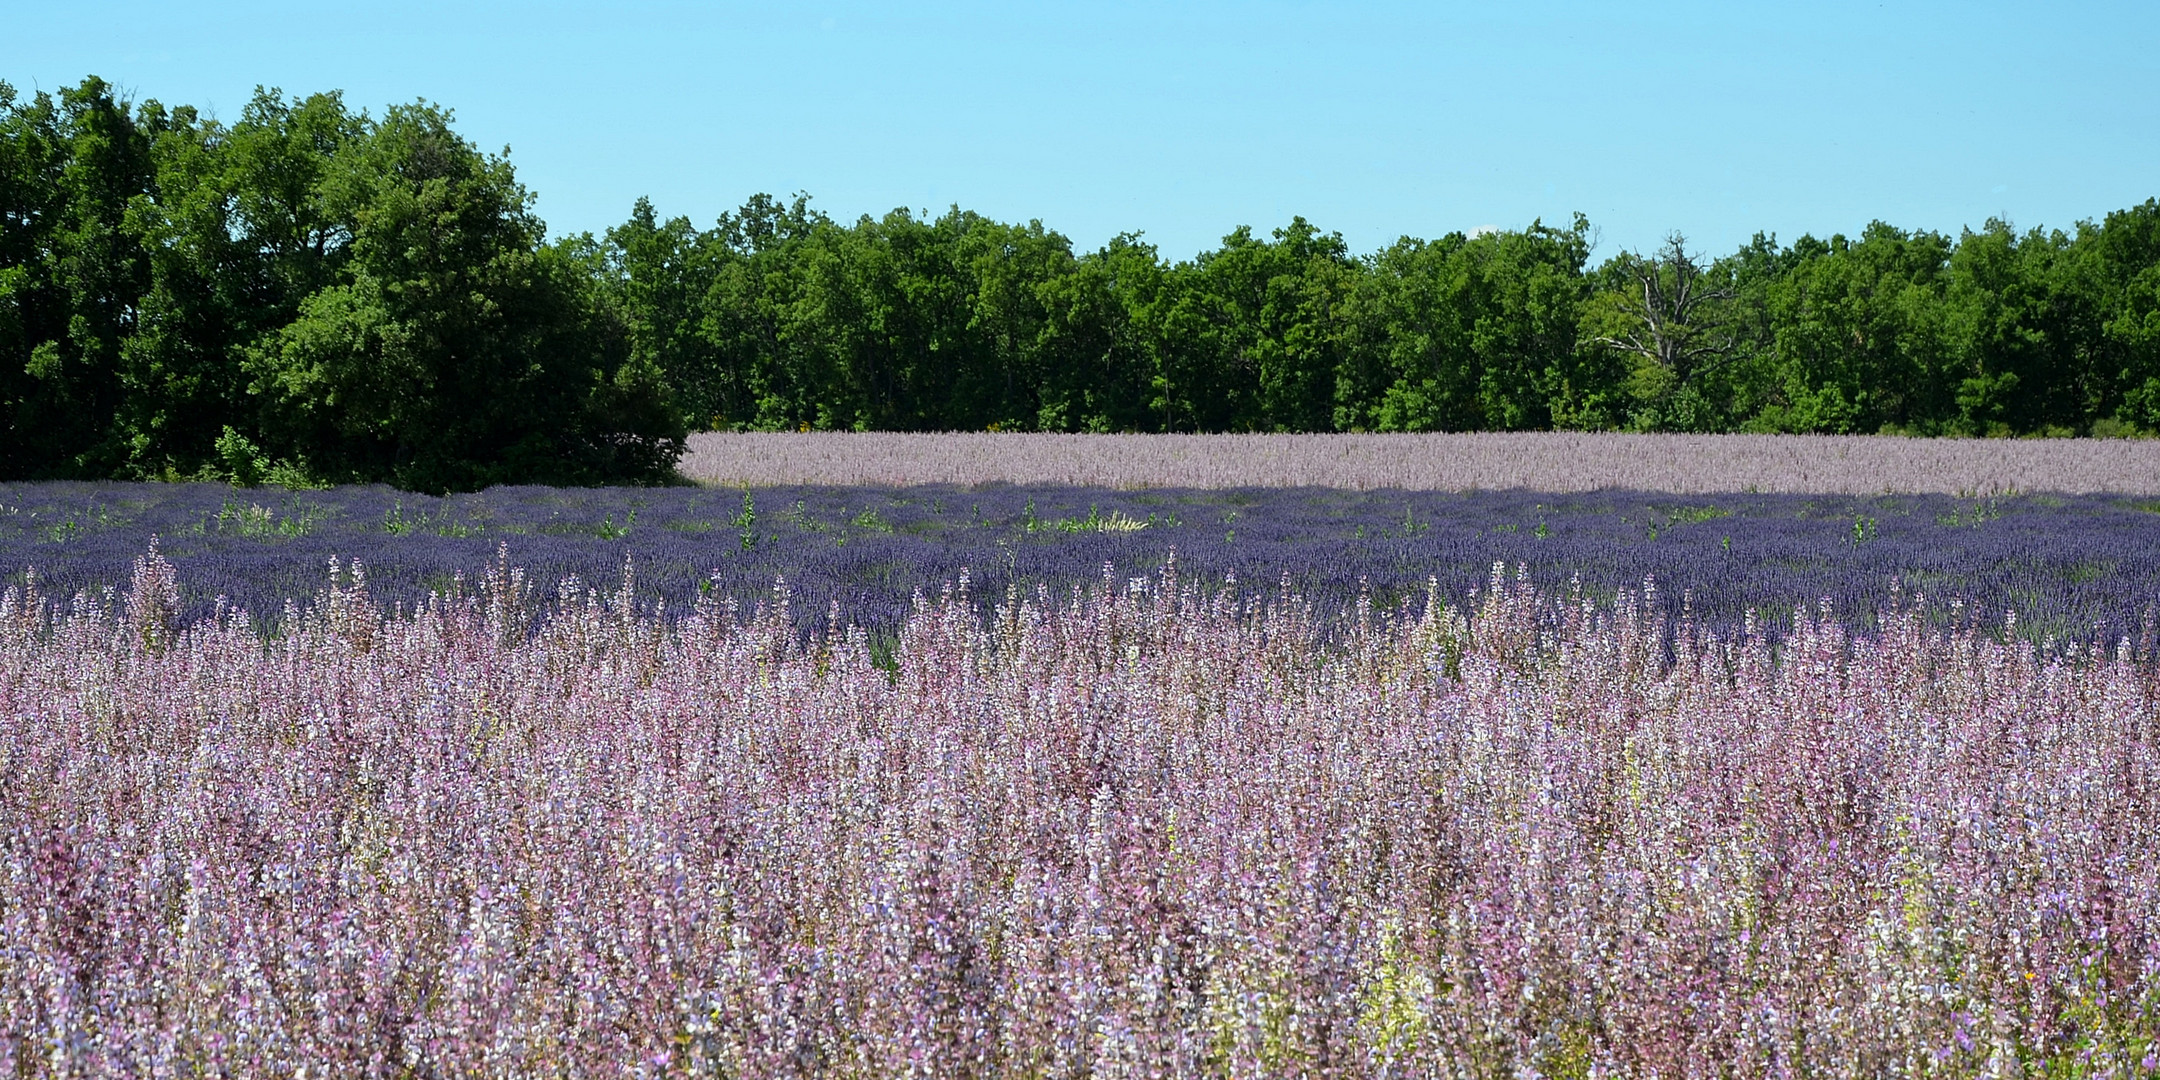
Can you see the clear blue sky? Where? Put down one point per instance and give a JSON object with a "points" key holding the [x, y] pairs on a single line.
{"points": [[1184, 120]]}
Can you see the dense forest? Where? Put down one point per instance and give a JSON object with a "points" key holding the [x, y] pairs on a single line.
{"points": [[314, 294]]}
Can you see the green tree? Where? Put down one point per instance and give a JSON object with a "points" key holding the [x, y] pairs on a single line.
{"points": [[1097, 356], [897, 323], [1857, 337], [1467, 333], [1017, 324], [236, 236], [659, 276], [72, 276], [1993, 314], [2125, 256], [458, 351], [1249, 337], [771, 359]]}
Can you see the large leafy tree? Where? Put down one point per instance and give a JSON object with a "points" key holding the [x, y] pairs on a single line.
{"points": [[1015, 324], [457, 350], [237, 235], [2003, 302], [1097, 356], [657, 275], [72, 275], [1248, 337], [770, 356], [900, 322], [1857, 336], [364, 300], [2125, 255], [1467, 333]]}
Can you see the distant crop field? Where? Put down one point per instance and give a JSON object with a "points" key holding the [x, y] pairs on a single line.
{"points": [[1537, 461]]}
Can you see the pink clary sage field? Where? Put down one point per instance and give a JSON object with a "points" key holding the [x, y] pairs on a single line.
{"points": [[1548, 461], [1150, 829]]}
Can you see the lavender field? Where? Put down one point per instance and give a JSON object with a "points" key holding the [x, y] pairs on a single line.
{"points": [[1150, 829], [2081, 569]]}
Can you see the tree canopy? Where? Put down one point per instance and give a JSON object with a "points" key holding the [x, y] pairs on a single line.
{"points": [[308, 289], [317, 294]]}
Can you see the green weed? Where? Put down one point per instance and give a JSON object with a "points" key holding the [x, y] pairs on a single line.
{"points": [[745, 521], [1410, 527], [1981, 511]]}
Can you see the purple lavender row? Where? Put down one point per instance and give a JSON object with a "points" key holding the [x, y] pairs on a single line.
{"points": [[1148, 830], [2075, 568]]}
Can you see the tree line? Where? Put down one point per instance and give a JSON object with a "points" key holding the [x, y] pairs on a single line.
{"points": [[316, 294], [307, 291]]}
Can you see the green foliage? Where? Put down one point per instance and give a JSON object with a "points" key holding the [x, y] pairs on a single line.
{"points": [[255, 521], [608, 530], [1685, 515], [1468, 334], [309, 294], [1855, 335], [71, 273], [1410, 527], [459, 351], [745, 522], [960, 323], [397, 522], [1978, 513], [305, 295], [1117, 521], [244, 464]]}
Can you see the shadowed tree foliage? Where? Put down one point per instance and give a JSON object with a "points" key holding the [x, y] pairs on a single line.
{"points": [[73, 274], [2124, 266], [457, 351], [307, 292]]}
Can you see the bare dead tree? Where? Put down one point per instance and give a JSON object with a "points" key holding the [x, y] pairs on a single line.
{"points": [[1679, 328]]}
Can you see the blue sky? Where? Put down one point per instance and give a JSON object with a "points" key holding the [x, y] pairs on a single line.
{"points": [[1184, 120]]}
